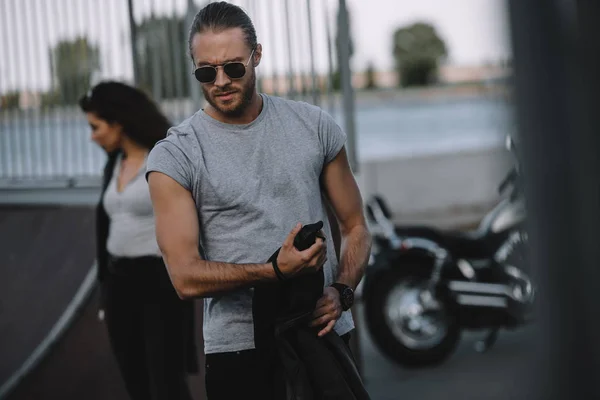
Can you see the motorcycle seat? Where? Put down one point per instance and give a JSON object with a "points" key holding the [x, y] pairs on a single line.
{"points": [[468, 244], [470, 236]]}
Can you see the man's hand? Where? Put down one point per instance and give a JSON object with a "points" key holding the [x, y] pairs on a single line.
{"points": [[328, 311], [292, 262]]}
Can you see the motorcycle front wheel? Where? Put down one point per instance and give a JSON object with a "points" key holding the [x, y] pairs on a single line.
{"points": [[408, 323]]}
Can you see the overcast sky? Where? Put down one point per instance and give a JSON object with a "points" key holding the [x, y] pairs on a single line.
{"points": [[475, 32]]}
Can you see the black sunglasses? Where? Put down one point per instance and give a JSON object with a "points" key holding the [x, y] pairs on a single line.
{"points": [[234, 70]]}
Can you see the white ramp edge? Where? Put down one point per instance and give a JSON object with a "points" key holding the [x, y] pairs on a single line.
{"points": [[54, 334]]}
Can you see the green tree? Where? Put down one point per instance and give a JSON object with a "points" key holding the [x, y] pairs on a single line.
{"points": [[50, 98], [417, 50], [163, 58], [370, 75], [10, 100], [73, 64]]}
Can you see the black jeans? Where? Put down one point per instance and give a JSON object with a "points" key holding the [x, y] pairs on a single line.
{"points": [[240, 375], [145, 322]]}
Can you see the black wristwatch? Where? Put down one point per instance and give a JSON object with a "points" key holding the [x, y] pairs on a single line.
{"points": [[346, 295]]}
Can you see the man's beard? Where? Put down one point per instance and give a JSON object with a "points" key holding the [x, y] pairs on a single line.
{"points": [[247, 93]]}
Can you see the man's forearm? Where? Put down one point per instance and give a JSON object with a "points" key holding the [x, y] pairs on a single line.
{"points": [[355, 250], [201, 278]]}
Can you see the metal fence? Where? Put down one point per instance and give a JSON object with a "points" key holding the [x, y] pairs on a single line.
{"points": [[52, 51]]}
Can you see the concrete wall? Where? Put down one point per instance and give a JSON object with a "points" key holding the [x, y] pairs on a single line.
{"points": [[440, 189]]}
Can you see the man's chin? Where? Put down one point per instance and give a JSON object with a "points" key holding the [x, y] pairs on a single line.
{"points": [[233, 112], [230, 108]]}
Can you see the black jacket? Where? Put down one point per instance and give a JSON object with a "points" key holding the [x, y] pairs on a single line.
{"points": [[102, 256], [302, 365]]}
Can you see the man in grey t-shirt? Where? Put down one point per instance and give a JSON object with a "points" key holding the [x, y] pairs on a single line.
{"points": [[237, 180]]}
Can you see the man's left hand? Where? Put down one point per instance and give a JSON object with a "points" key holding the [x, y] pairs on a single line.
{"points": [[328, 311]]}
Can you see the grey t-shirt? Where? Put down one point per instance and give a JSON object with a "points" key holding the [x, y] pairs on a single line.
{"points": [[251, 183]]}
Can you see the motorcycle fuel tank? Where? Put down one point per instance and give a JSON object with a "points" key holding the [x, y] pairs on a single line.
{"points": [[504, 216]]}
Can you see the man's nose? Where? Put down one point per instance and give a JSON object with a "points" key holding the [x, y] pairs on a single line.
{"points": [[222, 79]]}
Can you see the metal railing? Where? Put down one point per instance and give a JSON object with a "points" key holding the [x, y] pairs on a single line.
{"points": [[54, 50]]}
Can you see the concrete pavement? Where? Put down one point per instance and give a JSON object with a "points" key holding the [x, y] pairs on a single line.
{"points": [[500, 374], [81, 366]]}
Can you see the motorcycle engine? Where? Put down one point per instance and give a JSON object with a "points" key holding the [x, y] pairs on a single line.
{"points": [[513, 257]]}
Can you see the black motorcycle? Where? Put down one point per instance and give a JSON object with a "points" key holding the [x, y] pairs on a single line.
{"points": [[423, 286]]}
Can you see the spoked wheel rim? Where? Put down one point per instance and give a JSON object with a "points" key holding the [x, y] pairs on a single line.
{"points": [[415, 317]]}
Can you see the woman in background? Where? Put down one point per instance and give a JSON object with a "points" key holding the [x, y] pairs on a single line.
{"points": [[150, 328]]}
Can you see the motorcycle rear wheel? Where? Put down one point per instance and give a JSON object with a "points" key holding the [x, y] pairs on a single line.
{"points": [[404, 325]]}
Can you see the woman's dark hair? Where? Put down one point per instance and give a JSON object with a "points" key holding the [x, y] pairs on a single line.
{"points": [[138, 115], [220, 16]]}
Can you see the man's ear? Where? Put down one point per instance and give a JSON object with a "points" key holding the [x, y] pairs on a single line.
{"points": [[257, 55]]}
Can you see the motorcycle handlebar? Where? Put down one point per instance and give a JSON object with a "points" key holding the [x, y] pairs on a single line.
{"points": [[379, 214]]}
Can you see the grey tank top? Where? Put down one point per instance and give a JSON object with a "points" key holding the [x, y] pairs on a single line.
{"points": [[132, 232]]}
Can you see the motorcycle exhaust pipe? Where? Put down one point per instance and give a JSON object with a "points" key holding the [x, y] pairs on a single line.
{"points": [[481, 294], [481, 301]]}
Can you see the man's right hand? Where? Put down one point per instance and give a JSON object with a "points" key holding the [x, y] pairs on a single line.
{"points": [[293, 262]]}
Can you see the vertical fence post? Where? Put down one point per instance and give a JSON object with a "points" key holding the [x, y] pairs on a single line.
{"points": [[194, 88], [313, 74], [291, 92], [134, 53], [329, 80], [346, 80], [274, 37]]}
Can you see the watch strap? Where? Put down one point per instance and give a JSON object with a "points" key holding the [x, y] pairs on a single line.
{"points": [[273, 260], [339, 286]]}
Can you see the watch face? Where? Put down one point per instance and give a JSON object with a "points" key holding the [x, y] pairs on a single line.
{"points": [[347, 298]]}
